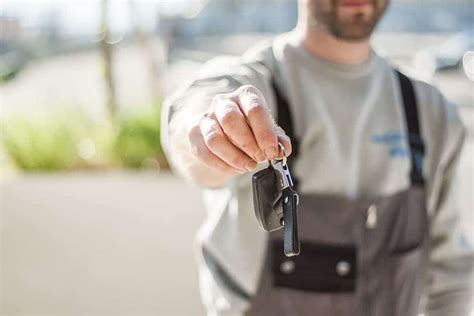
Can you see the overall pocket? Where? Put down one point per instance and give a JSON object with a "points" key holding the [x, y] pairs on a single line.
{"points": [[320, 267], [410, 225]]}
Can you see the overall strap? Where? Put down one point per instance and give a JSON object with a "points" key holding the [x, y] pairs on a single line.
{"points": [[415, 141]]}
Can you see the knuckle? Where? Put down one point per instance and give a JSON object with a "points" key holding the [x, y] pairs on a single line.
{"points": [[268, 136], [193, 133], [204, 155], [249, 94], [230, 118], [213, 139], [256, 109], [222, 99], [248, 88], [200, 151], [238, 161], [218, 98]]}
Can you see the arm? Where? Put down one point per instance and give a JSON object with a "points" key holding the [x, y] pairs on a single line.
{"points": [[210, 137], [451, 260]]}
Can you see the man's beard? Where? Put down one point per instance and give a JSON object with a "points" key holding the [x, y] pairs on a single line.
{"points": [[355, 27]]}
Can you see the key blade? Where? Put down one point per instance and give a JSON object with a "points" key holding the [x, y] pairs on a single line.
{"points": [[291, 242]]}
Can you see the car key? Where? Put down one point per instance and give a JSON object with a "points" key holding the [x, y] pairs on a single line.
{"points": [[275, 202]]}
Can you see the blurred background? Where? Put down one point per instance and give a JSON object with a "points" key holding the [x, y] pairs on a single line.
{"points": [[92, 220]]}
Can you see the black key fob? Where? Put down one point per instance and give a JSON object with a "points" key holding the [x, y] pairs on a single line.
{"points": [[266, 195], [275, 203]]}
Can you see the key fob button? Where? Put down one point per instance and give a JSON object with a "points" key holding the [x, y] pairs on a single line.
{"points": [[287, 267]]}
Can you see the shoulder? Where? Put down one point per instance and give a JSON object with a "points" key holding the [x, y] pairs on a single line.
{"points": [[438, 114], [441, 126], [226, 73], [253, 65], [258, 62], [257, 59]]}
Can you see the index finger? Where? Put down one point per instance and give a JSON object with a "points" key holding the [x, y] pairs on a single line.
{"points": [[254, 107]]}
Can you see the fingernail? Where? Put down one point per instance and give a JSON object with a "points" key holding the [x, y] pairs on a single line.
{"points": [[270, 152], [260, 157], [250, 165]]}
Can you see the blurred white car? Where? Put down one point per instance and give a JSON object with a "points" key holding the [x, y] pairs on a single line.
{"points": [[468, 63], [448, 55]]}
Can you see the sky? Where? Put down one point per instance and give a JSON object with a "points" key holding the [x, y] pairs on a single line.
{"points": [[82, 16]]}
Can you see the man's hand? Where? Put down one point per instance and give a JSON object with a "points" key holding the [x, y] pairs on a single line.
{"points": [[236, 132]]}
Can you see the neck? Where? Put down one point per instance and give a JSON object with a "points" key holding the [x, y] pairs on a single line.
{"points": [[324, 45]]}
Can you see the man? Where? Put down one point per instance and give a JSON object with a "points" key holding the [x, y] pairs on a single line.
{"points": [[374, 156]]}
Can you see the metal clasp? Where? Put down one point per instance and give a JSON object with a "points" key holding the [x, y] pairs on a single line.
{"points": [[284, 175], [282, 168]]}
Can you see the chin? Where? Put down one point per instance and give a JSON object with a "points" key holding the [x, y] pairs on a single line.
{"points": [[353, 38], [356, 33]]}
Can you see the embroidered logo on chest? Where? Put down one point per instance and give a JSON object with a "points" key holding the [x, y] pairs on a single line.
{"points": [[395, 142]]}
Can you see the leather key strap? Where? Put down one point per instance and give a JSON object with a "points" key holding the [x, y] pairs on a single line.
{"points": [[291, 242]]}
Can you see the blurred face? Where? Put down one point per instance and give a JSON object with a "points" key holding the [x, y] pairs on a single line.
{"points": [[347, 19]]}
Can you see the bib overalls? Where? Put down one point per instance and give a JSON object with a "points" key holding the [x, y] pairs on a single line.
{"points": [[362, 257]]}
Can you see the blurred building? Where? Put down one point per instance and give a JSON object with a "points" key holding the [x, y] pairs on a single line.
{"points": [[219, 18], [12, 56], [9, 28]]}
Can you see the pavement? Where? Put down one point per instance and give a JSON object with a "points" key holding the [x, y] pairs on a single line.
{"points": [[99, 244]]}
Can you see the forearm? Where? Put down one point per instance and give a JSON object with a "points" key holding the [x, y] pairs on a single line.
{"points": [[451, 261]]}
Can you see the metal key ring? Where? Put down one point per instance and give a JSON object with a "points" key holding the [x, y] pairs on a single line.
{"points": [[282, 148]]}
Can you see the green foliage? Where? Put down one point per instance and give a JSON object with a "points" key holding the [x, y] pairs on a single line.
{"points": [[42, 143], [138, 138], [68, 141]]}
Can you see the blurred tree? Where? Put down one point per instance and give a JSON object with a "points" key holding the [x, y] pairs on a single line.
{"points": [[107, 54], [145, 40]]}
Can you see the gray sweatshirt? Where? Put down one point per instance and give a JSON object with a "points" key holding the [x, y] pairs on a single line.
{"points": [[350, 121]]}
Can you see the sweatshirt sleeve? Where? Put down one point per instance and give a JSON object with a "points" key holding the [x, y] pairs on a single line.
{"points": [[450, 275]]}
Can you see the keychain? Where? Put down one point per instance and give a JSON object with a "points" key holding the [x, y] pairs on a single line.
{"points": [[275, 202]]}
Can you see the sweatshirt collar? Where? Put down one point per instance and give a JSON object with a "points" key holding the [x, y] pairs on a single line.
{"points": [[338, 69]]}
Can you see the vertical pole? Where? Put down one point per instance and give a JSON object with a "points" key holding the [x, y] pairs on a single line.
{"points": [[107, 54]]}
